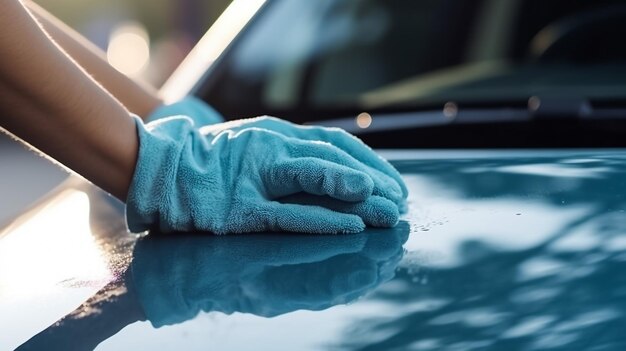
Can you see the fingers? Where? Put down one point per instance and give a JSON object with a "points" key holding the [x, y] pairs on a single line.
{"points": [[376, 211], [384, 185], [319, 177], [359, 150], [339, 138], [388, 182], [311, 219]]}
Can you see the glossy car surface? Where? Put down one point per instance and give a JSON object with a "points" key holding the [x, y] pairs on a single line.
{"points": [[498, 251]]}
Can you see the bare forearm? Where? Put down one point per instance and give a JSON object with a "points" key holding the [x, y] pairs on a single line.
{"points": [[137, 96], [70, 117]]}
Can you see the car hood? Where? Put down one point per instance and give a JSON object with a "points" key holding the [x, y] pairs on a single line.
{"points": [[498, 250]]}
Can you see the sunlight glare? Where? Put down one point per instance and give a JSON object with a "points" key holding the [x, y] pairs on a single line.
{"points": [[212, 44], [51, 247]]}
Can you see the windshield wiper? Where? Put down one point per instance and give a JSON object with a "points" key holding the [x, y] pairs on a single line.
{"points": [[534, 110]]}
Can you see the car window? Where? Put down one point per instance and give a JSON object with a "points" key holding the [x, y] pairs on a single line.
{"points": [[301, 57]]}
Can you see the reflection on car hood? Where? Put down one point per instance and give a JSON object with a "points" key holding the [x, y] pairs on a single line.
{"points": [[505, 251]]}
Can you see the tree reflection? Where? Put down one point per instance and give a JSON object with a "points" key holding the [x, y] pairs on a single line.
{"points": [[538, 298]]}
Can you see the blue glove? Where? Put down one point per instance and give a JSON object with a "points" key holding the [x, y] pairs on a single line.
{"points": [[266, 275], [376, 211], [387, 180], [228, 182], [201, 113]]}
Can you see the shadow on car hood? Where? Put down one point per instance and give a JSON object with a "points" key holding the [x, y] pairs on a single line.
{"points": [[499, 251]]}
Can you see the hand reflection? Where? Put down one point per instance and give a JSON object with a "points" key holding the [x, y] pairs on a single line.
{"points": [[171, 279], [267, 275]]}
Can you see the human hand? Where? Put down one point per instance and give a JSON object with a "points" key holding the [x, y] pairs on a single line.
{"points": [[229, 181], [388, 181], [204, 115], [262, 274]]}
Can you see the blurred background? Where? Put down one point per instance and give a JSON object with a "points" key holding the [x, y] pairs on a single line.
{"points": [[142, 38], [145, 38]]}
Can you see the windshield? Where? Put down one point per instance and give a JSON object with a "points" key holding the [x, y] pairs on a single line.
{"points": [[348, 56]]}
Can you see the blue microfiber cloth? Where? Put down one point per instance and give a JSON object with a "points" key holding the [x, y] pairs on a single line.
{"points": [[230, 181], [262, 274], [190, 106]]}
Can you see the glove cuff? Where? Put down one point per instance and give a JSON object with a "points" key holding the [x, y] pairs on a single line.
{"points": [[160, 146], [200, 112]]}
